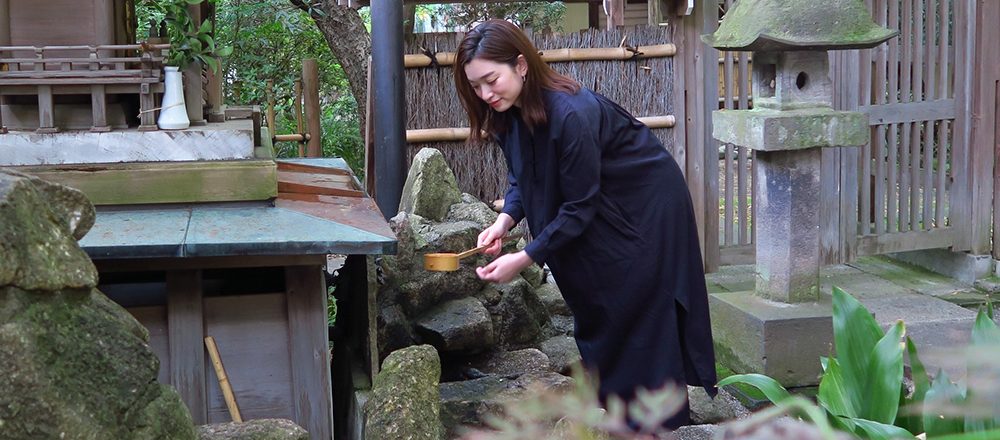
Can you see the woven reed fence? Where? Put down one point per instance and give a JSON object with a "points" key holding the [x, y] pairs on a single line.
{"points": [[643, 86]]}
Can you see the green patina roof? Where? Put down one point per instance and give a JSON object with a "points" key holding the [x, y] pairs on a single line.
{"points": [[777, 25]]}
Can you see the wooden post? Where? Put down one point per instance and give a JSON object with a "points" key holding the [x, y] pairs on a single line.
{"points": [[214, 87], [964, 192], [185, 330], [299, 122], [4, 41], [270, 107], [194, 92], [310, 91], [616, 13], [983, 139], [309, 348]]}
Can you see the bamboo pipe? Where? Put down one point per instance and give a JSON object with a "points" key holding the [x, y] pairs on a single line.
{"points": [[559, 55], [294, 137], [299, 123], [455, 134], [220, 373]]}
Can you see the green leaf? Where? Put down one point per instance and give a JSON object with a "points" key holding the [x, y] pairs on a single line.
{"points": [[206, 27], [832, 395], [982, 435], [880, 431], [209, 61], [943, 393], [912, 407], [885, 377], [770, 387], [855, 334], [224, 51], [985, 331]]}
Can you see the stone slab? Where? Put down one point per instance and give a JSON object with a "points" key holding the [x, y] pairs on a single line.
{"points": [[961, 266], [773, 130], [783, 341], [229, 140], [911, 277]]}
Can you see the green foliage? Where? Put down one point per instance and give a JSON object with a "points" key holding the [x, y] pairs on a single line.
{"points": [[270, 39], [862, 390], [190, 42], [536, 15]]}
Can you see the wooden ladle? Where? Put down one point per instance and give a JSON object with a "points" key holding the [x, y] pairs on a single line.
{"points": [[448, 262]]}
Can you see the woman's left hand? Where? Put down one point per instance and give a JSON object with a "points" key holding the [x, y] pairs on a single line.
{"points": [[505, 268]]}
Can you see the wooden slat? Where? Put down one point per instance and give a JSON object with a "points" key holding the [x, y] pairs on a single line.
{"points": [[166, 182], [895, 113], [75, 80], [905, 241], [888, 219], [185, 328], [915, 129], [939, 197], [309, 348], [866, 178], [982, 139], [849, 173], [930, 47], [743, 192], [328, 184], [882, 193], [730, 173], [307, 168], [46, 118], [906, 128], [962, 198], [81, 89]]}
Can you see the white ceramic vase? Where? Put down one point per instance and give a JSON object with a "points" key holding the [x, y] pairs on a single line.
{"points": [[173, 112]]}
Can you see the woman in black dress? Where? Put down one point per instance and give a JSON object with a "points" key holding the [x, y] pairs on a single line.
{"points": [[608, 209]]}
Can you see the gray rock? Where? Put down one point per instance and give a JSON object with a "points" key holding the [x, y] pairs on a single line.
{"points": [[38, 250], [430, 187], [553, 300], [473, 210], [461, 325], [534, 275], [520, 312], [513, 363], [393, 330], [75, 364], [561, 325], [260, 429], [405, 403], [469, 403], [706, 410], [427, 289], [694, 432], [562, 352]]}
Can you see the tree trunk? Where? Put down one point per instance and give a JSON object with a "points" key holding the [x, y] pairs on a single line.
{"points": [[345, 33]]}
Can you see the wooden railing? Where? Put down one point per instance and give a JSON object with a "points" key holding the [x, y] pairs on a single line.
{"points": [[95, 70]]}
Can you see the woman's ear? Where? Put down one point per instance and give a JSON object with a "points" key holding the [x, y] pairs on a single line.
{"points": [[522, 65]]}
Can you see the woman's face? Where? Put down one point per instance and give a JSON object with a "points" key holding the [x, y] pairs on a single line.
{"points": [[498, 84]]}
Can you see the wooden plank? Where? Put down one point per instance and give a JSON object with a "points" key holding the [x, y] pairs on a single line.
{"points": [[99, 109], [730, 174], [895, 113], [849, 178], [253, 338], [984, 130], [74, 81], [906, 129], [328, 184], [941, 192], [743, 156], [905, 241], [165, 182], [83, 89], [65, 73], [918, 96], [930, 70], [887, 202], [964, 194], [169, 264], [309, 348], [883, 193], [46, 108], [866, 182], [315, 169], [185, 332], [154, 318]]}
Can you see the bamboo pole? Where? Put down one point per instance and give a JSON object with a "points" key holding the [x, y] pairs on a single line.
{"points": [[310, 91], [220, 373], [560, 55], [294, 137], [455, 134]]}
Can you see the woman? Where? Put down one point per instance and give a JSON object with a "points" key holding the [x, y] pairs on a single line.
{"points": [[608, 209]]}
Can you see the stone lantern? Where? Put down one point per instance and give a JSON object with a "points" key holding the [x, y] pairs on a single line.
{"points": [[792, 120]]}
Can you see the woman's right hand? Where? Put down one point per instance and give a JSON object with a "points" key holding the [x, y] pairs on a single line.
{"points": [[492, 234]]}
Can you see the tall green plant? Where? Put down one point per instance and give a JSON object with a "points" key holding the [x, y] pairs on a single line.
{"points": [[862, 390], [190, 42]]}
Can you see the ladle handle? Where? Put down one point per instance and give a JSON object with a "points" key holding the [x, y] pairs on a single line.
{"points": [[479, 249]]}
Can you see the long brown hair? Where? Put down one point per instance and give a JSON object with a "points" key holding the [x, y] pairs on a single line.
{"points": [[501, 42]]}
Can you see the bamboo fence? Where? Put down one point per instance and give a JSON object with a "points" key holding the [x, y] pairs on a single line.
{"points": [[641, 83]]}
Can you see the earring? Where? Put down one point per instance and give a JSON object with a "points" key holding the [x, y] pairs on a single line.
{"points": [[524, 78]]}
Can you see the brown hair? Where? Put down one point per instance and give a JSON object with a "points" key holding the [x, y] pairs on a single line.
{"points": [[501, 42]]}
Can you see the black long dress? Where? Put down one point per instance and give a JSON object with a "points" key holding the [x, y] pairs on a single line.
{"points": [[610, 213]]}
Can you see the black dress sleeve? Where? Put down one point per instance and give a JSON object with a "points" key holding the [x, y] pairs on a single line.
{"points": [[512, 200], [579, 182]]}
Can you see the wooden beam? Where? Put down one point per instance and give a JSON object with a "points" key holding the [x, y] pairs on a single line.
{"points": [[560, 55], [309, 348], [909, 111], [165, 182], [906, 241], [185, 329], [983, 139], [615, 10]]}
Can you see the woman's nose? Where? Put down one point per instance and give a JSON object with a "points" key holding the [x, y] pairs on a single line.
{"points": [[485, 92]]}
